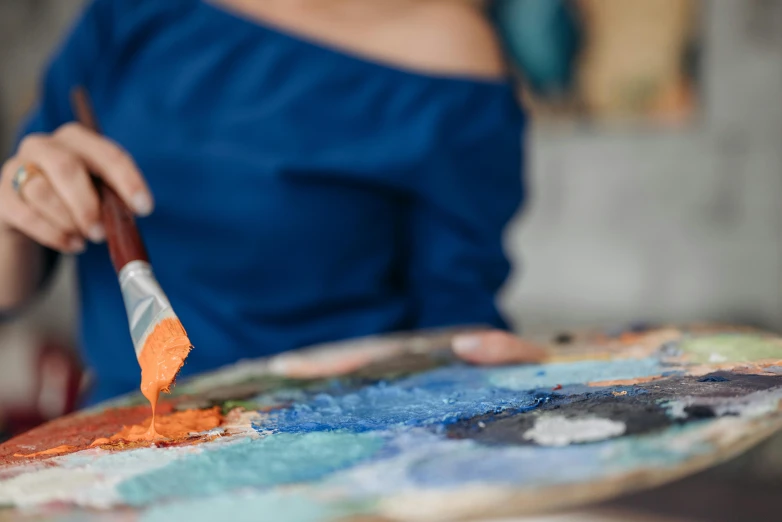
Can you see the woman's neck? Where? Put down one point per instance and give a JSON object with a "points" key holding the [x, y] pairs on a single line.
{"points": [[430, 36]]}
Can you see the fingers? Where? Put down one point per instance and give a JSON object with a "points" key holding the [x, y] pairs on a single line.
{"points": [[68, 176], [107, 160], [25, 220], [61, 205], [41, 197], [494, 347], [15, 214]]}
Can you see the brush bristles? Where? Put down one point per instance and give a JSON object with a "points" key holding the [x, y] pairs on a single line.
{"points": [[164, 352], [169, 328]]}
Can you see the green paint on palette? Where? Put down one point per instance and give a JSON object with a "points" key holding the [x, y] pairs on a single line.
{"points": [[730, 348], [278, 459]]}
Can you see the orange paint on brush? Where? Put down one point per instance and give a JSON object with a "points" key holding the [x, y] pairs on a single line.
{"points": [[179, 425], [163, 355], [53, 451]]}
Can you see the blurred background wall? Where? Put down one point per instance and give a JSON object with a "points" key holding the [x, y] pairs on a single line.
{"points": [[632, 222], [625, 223], [29, 29], [32, 390]]}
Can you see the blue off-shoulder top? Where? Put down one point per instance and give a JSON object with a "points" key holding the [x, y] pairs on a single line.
{"points": [[303, 194]]}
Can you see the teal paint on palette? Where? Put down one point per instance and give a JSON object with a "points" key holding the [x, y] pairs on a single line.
{"points": [[272, 461], [255, 506], [582, 372]]}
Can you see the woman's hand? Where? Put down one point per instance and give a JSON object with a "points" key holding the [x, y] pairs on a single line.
{"points": [[495, 347], [487, 347], [57, 204]]}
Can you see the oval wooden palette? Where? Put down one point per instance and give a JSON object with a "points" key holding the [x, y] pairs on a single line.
{"points": [[406, 432]]}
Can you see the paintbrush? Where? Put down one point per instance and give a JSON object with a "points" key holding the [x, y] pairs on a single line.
{"points": [[159, 339]]}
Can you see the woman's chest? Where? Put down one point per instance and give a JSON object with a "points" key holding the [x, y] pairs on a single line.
{"points": [[233, 208]]}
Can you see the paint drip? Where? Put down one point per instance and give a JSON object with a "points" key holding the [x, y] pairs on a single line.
{"points": [[161, 358]]}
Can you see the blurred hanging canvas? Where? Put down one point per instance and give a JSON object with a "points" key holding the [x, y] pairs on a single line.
{"points": [[605, 61]]}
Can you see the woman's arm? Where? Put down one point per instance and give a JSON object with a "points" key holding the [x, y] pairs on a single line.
{"points": [[21, 267]]}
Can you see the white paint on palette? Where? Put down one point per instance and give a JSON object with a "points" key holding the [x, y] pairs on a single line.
{"points": [[556, 430], [87, 478], [45, 486], [756, 404]]}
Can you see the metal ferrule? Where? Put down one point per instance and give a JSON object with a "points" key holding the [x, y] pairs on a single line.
{"points": [[145, 301]]}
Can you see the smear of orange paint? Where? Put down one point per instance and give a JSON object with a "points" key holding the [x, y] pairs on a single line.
{"points": [[178, 425], [631, 337], [163, 355], [53, 451], [625, 382], [175, 427]]}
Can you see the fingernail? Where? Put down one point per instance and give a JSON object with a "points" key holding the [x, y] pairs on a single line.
{"points": [[465, 344], [97, 233], [142, 203], [76, 245]]}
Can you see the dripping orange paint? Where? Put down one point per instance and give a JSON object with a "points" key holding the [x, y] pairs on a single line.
{"points": [[161, 358]]}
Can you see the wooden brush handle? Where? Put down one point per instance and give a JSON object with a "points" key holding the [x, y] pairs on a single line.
{"points": [[122, 235]]}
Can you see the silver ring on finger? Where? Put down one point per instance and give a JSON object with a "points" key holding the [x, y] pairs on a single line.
{"points": [[23, 175]]}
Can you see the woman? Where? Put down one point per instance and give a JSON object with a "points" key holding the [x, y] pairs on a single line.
{"points": [[305, 171]]}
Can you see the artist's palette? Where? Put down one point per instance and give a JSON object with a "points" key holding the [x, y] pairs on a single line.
{"points": [[409, 433]]}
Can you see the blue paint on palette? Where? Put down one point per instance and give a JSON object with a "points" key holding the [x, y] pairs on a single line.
{"points": [[444, 396], [437, 398]]}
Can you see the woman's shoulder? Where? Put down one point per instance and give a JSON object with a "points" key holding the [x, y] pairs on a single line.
{"points": [[447, 37]]}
